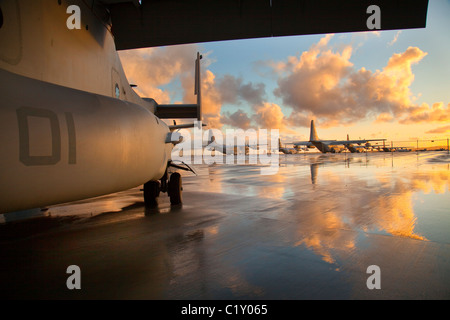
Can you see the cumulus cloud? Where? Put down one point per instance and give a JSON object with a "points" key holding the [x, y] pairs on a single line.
{"points": [[211, 97], [439, 130], [321, 83], [266, 115], [297, 119], [324, 83], [151, 68], [424, 113], [384, 117], [238, 119], [312, 82], [233, 90], [269, 115], [226, 89]]}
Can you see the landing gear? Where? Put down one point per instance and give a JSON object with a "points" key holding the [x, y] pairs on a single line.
{"points": [[151, 192], [173, 186], [175, 189]]}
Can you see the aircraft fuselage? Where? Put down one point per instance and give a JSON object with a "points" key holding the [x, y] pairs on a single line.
{"points": [[61, 144], [324, 147], [71, 127]]}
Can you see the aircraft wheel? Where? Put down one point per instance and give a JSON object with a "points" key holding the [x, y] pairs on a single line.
{"points": [[151, 192], [175, 188]]}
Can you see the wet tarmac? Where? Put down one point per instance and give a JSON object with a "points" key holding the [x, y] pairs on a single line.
{"points": [[310, 231]]}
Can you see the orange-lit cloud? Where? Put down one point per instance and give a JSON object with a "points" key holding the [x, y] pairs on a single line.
{"points": [[269, 115], [150, 68], [384, 117], [238, 119], [443, 129], [233, 90], [324, 83], [321, 83], [211, 97], [311, 82], [424, 113]]}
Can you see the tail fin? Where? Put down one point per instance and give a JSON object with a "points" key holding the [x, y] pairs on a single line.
{"points": [[198, 87], [313, 134], [211, 137], [179, 111]]}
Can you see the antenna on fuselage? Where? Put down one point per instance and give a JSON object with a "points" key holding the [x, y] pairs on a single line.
{"points": [[198, 86]]}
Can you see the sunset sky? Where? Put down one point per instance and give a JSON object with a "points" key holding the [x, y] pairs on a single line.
{"points": [[388, 84]]}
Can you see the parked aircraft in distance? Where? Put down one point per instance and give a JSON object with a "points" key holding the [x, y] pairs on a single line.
{"points": [[213, 145], [333, 146], [293, 150], [358, 148]]}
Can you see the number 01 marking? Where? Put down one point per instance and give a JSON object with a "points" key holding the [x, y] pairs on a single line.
{"points": [[24, 137]]}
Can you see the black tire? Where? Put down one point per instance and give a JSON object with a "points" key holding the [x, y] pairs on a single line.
{"points": [[151, 192], [175, 189]]}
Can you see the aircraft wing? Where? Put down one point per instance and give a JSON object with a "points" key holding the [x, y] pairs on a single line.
{"points": [[302, 143], [336, 142], [360, 141], [151, 23], [356, 141]]}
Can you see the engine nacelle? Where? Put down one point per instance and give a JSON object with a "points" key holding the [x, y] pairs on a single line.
{"points": [[60, 144]]}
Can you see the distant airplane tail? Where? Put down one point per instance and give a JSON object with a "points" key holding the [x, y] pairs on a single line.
{"points": [[313, 134], [211, 137]]}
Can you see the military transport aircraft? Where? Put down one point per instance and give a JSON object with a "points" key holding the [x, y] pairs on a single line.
{"points": [[72, 127], [294, 150], [213, 145], [333, 146]]}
